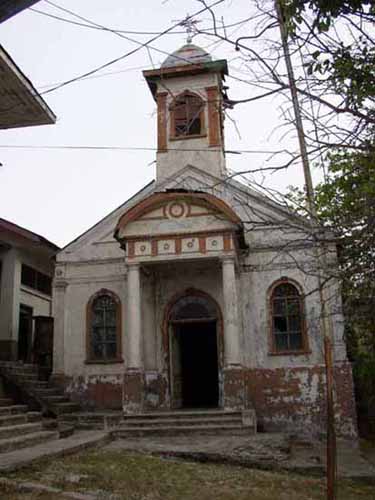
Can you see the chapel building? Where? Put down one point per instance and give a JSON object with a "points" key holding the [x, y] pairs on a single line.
{"points": [[198, 292]]}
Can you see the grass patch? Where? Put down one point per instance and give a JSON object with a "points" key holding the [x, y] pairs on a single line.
{"points": [[134, 476]]}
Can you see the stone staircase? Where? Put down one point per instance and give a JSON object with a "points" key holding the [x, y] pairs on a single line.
{"points": [[20, 428], [175, 423], [24, 381]]}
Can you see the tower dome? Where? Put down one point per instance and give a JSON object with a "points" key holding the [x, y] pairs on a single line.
{"points": [[188, 54]]}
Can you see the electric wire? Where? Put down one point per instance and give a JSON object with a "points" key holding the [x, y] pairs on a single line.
{"points": [[132, 148], [126, 54]]}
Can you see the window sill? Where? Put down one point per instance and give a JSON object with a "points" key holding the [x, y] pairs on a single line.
{"points": [[103, 361], [186, 137], [289, 353]]}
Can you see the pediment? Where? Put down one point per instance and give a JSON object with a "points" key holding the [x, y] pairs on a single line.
{"points": [[176, 213], [177, 225]]}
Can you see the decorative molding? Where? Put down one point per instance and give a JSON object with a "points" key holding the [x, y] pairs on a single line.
{"points": [[162, 121], [214, 104]]}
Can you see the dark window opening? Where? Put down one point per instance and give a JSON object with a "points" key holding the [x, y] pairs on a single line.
{"points": [[34, 279], [187, 115], [25, 329], [287, 318]]}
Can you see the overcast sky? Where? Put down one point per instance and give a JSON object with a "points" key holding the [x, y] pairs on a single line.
{"points": [[61, 193]]}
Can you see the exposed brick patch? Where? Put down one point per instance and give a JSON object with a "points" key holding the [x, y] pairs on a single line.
{"points": [[96, 391], [133, 391], [234, 388], [156, 391], [294, 399]]}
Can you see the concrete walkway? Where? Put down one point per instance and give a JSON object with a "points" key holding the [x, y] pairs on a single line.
{"points": [[80, 440], [263, 451]]}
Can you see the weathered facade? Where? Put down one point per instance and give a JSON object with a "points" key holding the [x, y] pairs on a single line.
{"points": [[26, 271], [198, 291]]}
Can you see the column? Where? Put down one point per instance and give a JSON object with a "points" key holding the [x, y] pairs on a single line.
{"points": [[231, 330], [233, 376], [9, 304], [134, 317], [133, 378], [59, 311]]}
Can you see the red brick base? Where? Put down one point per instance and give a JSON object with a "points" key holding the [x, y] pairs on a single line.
{"points": [[133, 391], [95, 391], [283, 398], [294, 399], [234, 388]]}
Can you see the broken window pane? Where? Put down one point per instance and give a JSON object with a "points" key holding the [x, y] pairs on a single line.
{"points": [[187, 115]]}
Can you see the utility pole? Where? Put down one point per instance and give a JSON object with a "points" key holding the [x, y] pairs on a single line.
{"points": [[320, 259]]}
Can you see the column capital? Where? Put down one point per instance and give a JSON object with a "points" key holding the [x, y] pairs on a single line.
{"points": [[133, 265], [59, 284], [228, 259]]}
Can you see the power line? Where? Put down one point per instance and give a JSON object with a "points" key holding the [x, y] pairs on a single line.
{"points": [[127, 54], [130, 148], [125, 32]]}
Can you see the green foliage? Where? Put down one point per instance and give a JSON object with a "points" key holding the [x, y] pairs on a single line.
{"points": [[324, 11], [345, 64], [346, 205]]}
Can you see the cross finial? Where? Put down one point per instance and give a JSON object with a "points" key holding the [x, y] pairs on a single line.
{"points": [[189, 24]]}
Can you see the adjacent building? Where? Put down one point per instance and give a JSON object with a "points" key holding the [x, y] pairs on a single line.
{"points": [[26, 271]]}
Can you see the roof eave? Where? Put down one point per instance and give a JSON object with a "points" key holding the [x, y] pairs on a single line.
{"points": [[154, 75], [22, 105]]}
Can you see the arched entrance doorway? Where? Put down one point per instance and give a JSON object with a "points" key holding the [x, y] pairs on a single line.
{"points": [[194, 320]]}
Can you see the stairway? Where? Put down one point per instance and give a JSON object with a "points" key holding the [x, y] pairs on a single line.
{"points": [[176, 423], [39, 394], [20, 428]]}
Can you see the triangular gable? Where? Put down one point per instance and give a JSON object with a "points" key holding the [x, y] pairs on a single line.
{"points": [[251, 207]]}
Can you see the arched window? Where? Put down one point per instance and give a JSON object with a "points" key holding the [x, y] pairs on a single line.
{"points": [[104, 327], [287, 321], [187, 116]]}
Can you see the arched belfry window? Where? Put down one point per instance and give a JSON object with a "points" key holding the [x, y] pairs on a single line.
{"points": [[287, 319], [104, 327], [187, 115]]}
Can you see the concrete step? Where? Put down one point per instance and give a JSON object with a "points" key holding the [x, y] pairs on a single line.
{"points": [[204, 430], [44, 392], [92, 420], [19, 430], [25, 441], [20, 418], [6, 402], [36, 384], [23, 369], [22, 458], [7, 420], [155, 422], [25, 377], [68, 407], [56, 399], [177, 414], [34, 416], [13, 409]]}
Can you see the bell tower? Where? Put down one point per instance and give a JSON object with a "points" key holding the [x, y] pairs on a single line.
{"points": [[188, 90]]}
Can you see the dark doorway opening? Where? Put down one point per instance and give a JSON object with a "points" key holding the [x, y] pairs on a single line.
{"points": [[199, 364], [25, 331]]}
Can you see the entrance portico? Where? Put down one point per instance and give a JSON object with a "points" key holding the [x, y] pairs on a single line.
{"points": [[201, 351]]}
